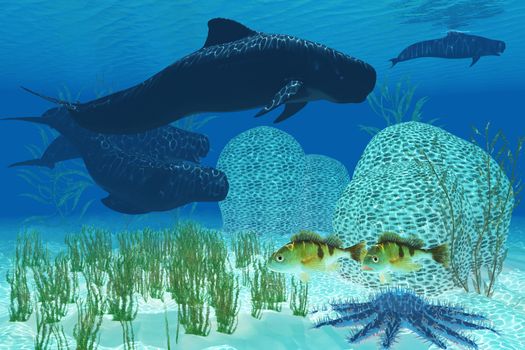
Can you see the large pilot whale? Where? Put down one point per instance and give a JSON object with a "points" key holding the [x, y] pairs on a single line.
{"points": [[151, 171], [236, 69], [454, 45]]}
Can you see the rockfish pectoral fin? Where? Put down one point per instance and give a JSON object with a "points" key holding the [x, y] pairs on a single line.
{"points": [[402, 265], [283, 96], [385, 278], [304, 277]]}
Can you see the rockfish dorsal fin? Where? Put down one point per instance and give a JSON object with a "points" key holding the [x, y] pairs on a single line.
{"points": [[307, 236], [390, 237], [222, 30], [333, 241]]}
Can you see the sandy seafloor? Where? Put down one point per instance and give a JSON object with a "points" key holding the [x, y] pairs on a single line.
{"points": [[276, 330]]}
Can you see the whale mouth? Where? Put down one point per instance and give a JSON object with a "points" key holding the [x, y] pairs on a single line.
{"points": [[501, 47]]}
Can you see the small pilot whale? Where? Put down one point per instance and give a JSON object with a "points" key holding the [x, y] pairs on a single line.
{"points": [[236, 69], [152, 171], [454, 45]]}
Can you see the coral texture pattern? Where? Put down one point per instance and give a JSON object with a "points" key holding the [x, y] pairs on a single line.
{"points": [[394, 189]]}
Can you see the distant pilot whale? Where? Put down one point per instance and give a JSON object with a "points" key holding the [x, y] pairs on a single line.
{"points": [[237, 69], [454, 45], [152, 171]]}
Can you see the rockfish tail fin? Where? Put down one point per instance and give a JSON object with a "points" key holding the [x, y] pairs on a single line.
{"points": [[440, 254], [357, 251]]}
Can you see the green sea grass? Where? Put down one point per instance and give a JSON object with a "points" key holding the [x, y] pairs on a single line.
{"points": [[75, 252], [395, 105], [268, 289], [20, 306], [245, 246], [122, 301], [87, 330], [299, 298], [31, 250], [227, 303]]}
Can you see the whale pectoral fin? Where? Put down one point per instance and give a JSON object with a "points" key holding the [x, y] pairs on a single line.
{"points": [[289, 110], [121, 206], [282, 96], [475, 59]]}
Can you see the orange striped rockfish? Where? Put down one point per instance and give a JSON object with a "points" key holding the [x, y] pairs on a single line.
{"points": [[393, 253], [309, 252]]}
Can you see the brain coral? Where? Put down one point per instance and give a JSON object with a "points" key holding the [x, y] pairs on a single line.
{"points": [[395, 189], [326, 179], [265, 168], [274, 187]]}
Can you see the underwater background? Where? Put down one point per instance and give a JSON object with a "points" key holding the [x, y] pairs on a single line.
{"points": [[82, 49]]}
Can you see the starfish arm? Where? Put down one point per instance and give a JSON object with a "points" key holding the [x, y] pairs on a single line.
{"points": [[439, 310], [460, 324], [389, 336], [423, 331], [347, 320], [451, 335], [371, 328]]}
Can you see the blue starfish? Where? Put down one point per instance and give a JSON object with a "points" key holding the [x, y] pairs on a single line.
{"points": [[391, 309]]}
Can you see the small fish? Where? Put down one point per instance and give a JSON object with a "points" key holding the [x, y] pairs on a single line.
{"points": [[396, 254], [309, 252]]}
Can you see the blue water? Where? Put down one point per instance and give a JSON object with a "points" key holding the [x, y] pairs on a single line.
{"points": [[92, 46]]}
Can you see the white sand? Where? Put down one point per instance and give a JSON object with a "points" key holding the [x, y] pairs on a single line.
{"points": [[282, 330]]}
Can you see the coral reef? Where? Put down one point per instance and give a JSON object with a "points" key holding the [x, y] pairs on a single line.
{"points": [[265, 168], [394, 189], [325, 181], [274, 187], [390, 310]]}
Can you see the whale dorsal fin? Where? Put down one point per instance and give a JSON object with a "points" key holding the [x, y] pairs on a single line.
{"points": [[222, 30]]}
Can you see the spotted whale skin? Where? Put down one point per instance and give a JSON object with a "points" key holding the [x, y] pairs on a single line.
{"points": [[236, 69], [156, 170]]}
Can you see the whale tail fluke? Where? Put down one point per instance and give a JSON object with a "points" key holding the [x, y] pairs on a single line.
{"points": [[394, 61], [70, 106], [33, 162], [39, 120]]}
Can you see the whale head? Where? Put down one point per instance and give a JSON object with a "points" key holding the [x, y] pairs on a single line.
{"points": [[499, 46], [346, 79]]}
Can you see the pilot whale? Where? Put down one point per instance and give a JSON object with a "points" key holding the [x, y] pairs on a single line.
{"points": [[152, 171], [454, 45], [236, 69], [164, 143]]}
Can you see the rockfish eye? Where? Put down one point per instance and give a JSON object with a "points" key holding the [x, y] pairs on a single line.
{"points": [[279, 258], [375, 259]]}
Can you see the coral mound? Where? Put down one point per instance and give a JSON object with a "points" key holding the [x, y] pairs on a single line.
{"points": [[326, 179], [394, 189], [275, 187], [390, 310]]}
